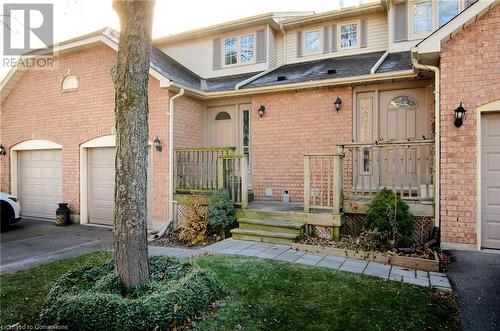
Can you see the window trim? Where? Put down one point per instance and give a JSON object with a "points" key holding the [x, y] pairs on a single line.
{"points": [[339, 34], [70, 89], [434, 17], [238, 50], [304, 42]]}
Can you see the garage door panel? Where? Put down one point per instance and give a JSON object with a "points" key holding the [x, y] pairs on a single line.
{"points": [[101, 183], [40, 182], [490, 181]]}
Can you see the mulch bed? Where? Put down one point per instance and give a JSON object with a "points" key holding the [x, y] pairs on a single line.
{"points": [[172, 240], [362, 243]]}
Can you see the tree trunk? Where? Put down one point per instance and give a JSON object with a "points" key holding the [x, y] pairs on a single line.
{"points": [[130, 77]]}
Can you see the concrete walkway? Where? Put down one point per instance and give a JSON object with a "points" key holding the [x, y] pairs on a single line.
{"points": [[285, 253]]}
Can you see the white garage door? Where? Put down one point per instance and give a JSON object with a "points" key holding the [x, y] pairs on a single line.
{"points": [[40, 182], [101, 183], [490, 181]]}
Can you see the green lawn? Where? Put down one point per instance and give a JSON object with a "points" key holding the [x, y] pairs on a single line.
{"points": [[267, 295]]}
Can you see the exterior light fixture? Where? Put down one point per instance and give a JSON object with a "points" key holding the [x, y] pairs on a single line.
{"points": [[459, 115], [337, 104], [157, 144], [2, 150], [261, 110]]}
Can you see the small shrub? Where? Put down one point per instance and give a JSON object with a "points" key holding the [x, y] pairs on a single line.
{"points": [[93, 298], [220, 211], [380, 216], [194, 228]]}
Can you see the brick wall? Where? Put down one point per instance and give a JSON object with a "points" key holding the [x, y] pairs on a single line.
{"points": [[470, 72], [38, 109], [295, 123]]}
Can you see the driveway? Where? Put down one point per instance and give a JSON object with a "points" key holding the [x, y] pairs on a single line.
{"points": [[33, 242], [475, 277]]}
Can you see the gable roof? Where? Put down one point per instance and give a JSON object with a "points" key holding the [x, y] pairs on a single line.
{"points": [[162, 66], [430, 47]]}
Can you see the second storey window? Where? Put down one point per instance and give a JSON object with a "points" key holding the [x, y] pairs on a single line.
{"points": [[230, 51], [313, 42], [349, 35], [239, 50], [421, 16], [247, 48], [447, 9]]}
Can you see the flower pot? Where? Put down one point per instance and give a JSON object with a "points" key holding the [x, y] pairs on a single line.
{"points": [[62, 214]]}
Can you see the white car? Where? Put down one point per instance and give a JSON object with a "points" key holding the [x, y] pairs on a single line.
{"points": [[10, 209]]}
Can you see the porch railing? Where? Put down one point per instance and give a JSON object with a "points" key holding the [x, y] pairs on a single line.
{"points": [[323, 181], [196, 168], [406, 167], [232, 175]]}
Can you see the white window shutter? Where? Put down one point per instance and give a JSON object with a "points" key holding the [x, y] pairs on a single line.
{"points": [[363, 34], [261, 45], [333, 38], [400, 22], [299, 43], [217, 54]]}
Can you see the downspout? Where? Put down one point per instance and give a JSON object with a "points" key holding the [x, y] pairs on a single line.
{"points": [[379, 62], [171, 188], [437, 138]]}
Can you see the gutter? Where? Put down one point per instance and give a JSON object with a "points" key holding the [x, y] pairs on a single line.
{"points": [[284, 87], [437, 136], [170, 112], [379, 62]]}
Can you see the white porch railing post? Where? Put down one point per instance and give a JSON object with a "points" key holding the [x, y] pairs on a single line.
{"points": [[244, 184], [307, 183]]}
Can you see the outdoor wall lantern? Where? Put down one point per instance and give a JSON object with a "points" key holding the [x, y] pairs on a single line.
{"points": [[261, 110], [459, 115], [157, 144], [2, 150], [337, 104]]}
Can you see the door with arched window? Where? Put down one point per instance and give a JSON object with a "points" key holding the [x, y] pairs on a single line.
{"points": [[222, 126], [386, 116]]}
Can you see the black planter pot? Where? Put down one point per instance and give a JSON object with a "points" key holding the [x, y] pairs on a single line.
{"points": [[62, 214]]}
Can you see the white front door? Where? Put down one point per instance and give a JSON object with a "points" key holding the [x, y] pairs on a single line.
{"points": [[490, 181], [222, 126]]}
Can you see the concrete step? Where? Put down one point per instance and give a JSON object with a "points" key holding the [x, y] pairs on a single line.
{"points": [[264, 236], [271, 225]]}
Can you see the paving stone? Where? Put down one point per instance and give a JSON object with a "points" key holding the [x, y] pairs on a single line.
{"points": [[378, 269], [422, 274], [310, 259], [351, 265], [273, 251], [399, 271], [290, 255], [397, 278], [233, 249], [433, 273], [416, 281], [440, 281], [251, 251], [331, 262]]}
